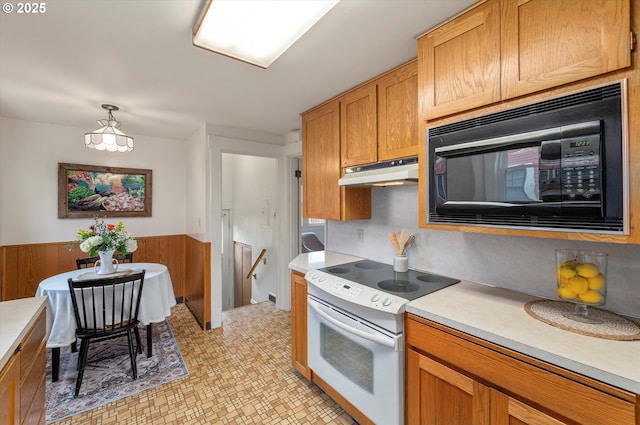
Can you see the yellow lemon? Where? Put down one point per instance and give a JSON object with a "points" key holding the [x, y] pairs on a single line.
{"points": [[570, 264], [591, 297], [563, 281], [596, 282], [566, 272], [566, 293], [578, 284], [587, 270]]}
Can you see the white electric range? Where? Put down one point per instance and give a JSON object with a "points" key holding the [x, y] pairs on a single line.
{"points": [[355, 332]]}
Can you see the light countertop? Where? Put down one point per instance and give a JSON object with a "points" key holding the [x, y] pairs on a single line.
{"points": [[498, 315], [16, 317], [319, 259]]}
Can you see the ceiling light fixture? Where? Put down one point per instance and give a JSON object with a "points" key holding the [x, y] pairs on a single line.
{"points": [[256, 31], [109, 137]]}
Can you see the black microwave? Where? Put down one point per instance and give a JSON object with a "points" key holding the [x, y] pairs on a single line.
{"points": [[556, 164]]}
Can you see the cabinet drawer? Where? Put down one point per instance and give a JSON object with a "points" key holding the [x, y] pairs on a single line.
{"points": [[32, 343], [524, 380]]}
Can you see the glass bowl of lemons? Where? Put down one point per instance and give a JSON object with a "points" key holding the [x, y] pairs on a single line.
{"points": [[581, 276]]}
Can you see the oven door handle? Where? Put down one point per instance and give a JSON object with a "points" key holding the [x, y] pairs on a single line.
{"points": [[325, 313]]}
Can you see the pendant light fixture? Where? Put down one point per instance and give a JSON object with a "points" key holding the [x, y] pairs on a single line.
{"points": [[109, 137]]}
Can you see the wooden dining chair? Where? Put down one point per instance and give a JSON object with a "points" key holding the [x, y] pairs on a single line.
{"points": [[83, 263], [104, 309]]}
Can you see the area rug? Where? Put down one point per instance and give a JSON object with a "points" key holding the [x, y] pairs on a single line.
{"points": [[109, 379]]}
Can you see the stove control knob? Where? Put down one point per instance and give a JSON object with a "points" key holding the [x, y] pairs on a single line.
{"points": [[386, 302], [322, 279], [313, 276], [375, 297]]}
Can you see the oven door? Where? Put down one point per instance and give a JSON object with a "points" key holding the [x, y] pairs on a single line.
{"points": [[361, 361]]}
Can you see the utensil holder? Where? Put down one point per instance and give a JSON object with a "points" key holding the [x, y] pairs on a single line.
{"points": [[400, 264]]}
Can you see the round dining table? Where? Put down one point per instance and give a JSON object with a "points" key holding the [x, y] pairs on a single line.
{"points": [[155, 304]]}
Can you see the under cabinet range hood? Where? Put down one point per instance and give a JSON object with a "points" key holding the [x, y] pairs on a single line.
{"points": [[388, 173]]}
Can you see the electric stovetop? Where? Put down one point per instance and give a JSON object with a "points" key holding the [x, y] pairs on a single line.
{"points": [[409, 285]]}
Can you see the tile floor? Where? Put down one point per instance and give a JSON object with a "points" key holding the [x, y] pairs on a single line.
{"points": [[239, 374]]}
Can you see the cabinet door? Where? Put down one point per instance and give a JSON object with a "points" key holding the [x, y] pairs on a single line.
{"points": [[358, 126], [398, 113], [508, 411], [10, 392], [321, 162], [459, 63], [436, 394], [299, 324], [547, 43]]}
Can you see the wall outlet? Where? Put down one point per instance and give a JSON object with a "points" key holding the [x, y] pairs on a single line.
{"points": [[360, 233]]}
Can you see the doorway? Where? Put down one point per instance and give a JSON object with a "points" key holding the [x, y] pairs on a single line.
{"points": [[311, 231], [249, 204]]}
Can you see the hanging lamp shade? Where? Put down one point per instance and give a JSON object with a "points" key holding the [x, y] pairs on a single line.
{"points": [[109, 137]]}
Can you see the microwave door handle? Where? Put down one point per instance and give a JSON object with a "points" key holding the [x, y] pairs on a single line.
{"points": [[322, 311], [499, 142]]}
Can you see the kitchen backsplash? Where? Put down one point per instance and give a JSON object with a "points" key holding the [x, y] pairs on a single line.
{"points": [[520, 263]]}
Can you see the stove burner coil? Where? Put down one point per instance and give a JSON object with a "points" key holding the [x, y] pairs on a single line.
{"points": [[431, 278], [398, 285], [338, 270]]}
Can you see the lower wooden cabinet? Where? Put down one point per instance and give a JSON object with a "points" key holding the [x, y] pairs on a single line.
{"points": [[437, 394], [10, 392], [22, 380], [454, 378], [299, 324]]}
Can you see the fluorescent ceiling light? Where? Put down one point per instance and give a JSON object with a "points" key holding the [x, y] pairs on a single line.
{"points": [[256, 31]]}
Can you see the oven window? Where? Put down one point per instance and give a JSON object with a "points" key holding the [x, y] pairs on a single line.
{"points": [[353, 361]]}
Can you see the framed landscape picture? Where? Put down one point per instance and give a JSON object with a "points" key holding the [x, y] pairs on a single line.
{"points": [[90, 190]]}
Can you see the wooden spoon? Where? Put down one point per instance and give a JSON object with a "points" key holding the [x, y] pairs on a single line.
{"points": [[403, 238], [393, 238]]}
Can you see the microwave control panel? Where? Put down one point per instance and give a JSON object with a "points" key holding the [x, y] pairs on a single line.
{"points": [[581, 177]]}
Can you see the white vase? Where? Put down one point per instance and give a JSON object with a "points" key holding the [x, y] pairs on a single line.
{"points": [[106, 264]]}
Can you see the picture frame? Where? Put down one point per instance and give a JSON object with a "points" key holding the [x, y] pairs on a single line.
{"points": [[85, 191]]}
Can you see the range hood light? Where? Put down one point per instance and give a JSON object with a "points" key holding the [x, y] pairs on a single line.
{"points": [[395, 183], [390, 173]]}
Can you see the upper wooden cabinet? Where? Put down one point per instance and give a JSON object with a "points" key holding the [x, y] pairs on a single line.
{"points": [[375, 121], [379, 120], [321, 169], [459, 63], [398, 113], [358, 126], [547, 43], [321, 162], [502, 49]]}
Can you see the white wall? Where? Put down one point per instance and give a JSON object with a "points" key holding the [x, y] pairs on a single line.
{"points": [[520, 263], [253, 192], [197, 187], [30, 153]]}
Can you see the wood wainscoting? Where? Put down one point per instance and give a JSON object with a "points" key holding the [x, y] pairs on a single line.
{"points": [[197, 287], [23, 267]]}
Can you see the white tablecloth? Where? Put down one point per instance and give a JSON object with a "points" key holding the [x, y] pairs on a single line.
{"points": [[155, 304]]}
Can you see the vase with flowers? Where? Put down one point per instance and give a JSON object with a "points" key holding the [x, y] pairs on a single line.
{"points": [[104, 239]]}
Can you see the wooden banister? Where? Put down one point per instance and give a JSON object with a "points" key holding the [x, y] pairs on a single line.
{"points": [[255, 264]]}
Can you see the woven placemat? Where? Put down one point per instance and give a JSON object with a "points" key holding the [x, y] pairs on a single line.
{"points": [[94, 275], [613, 326]]}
